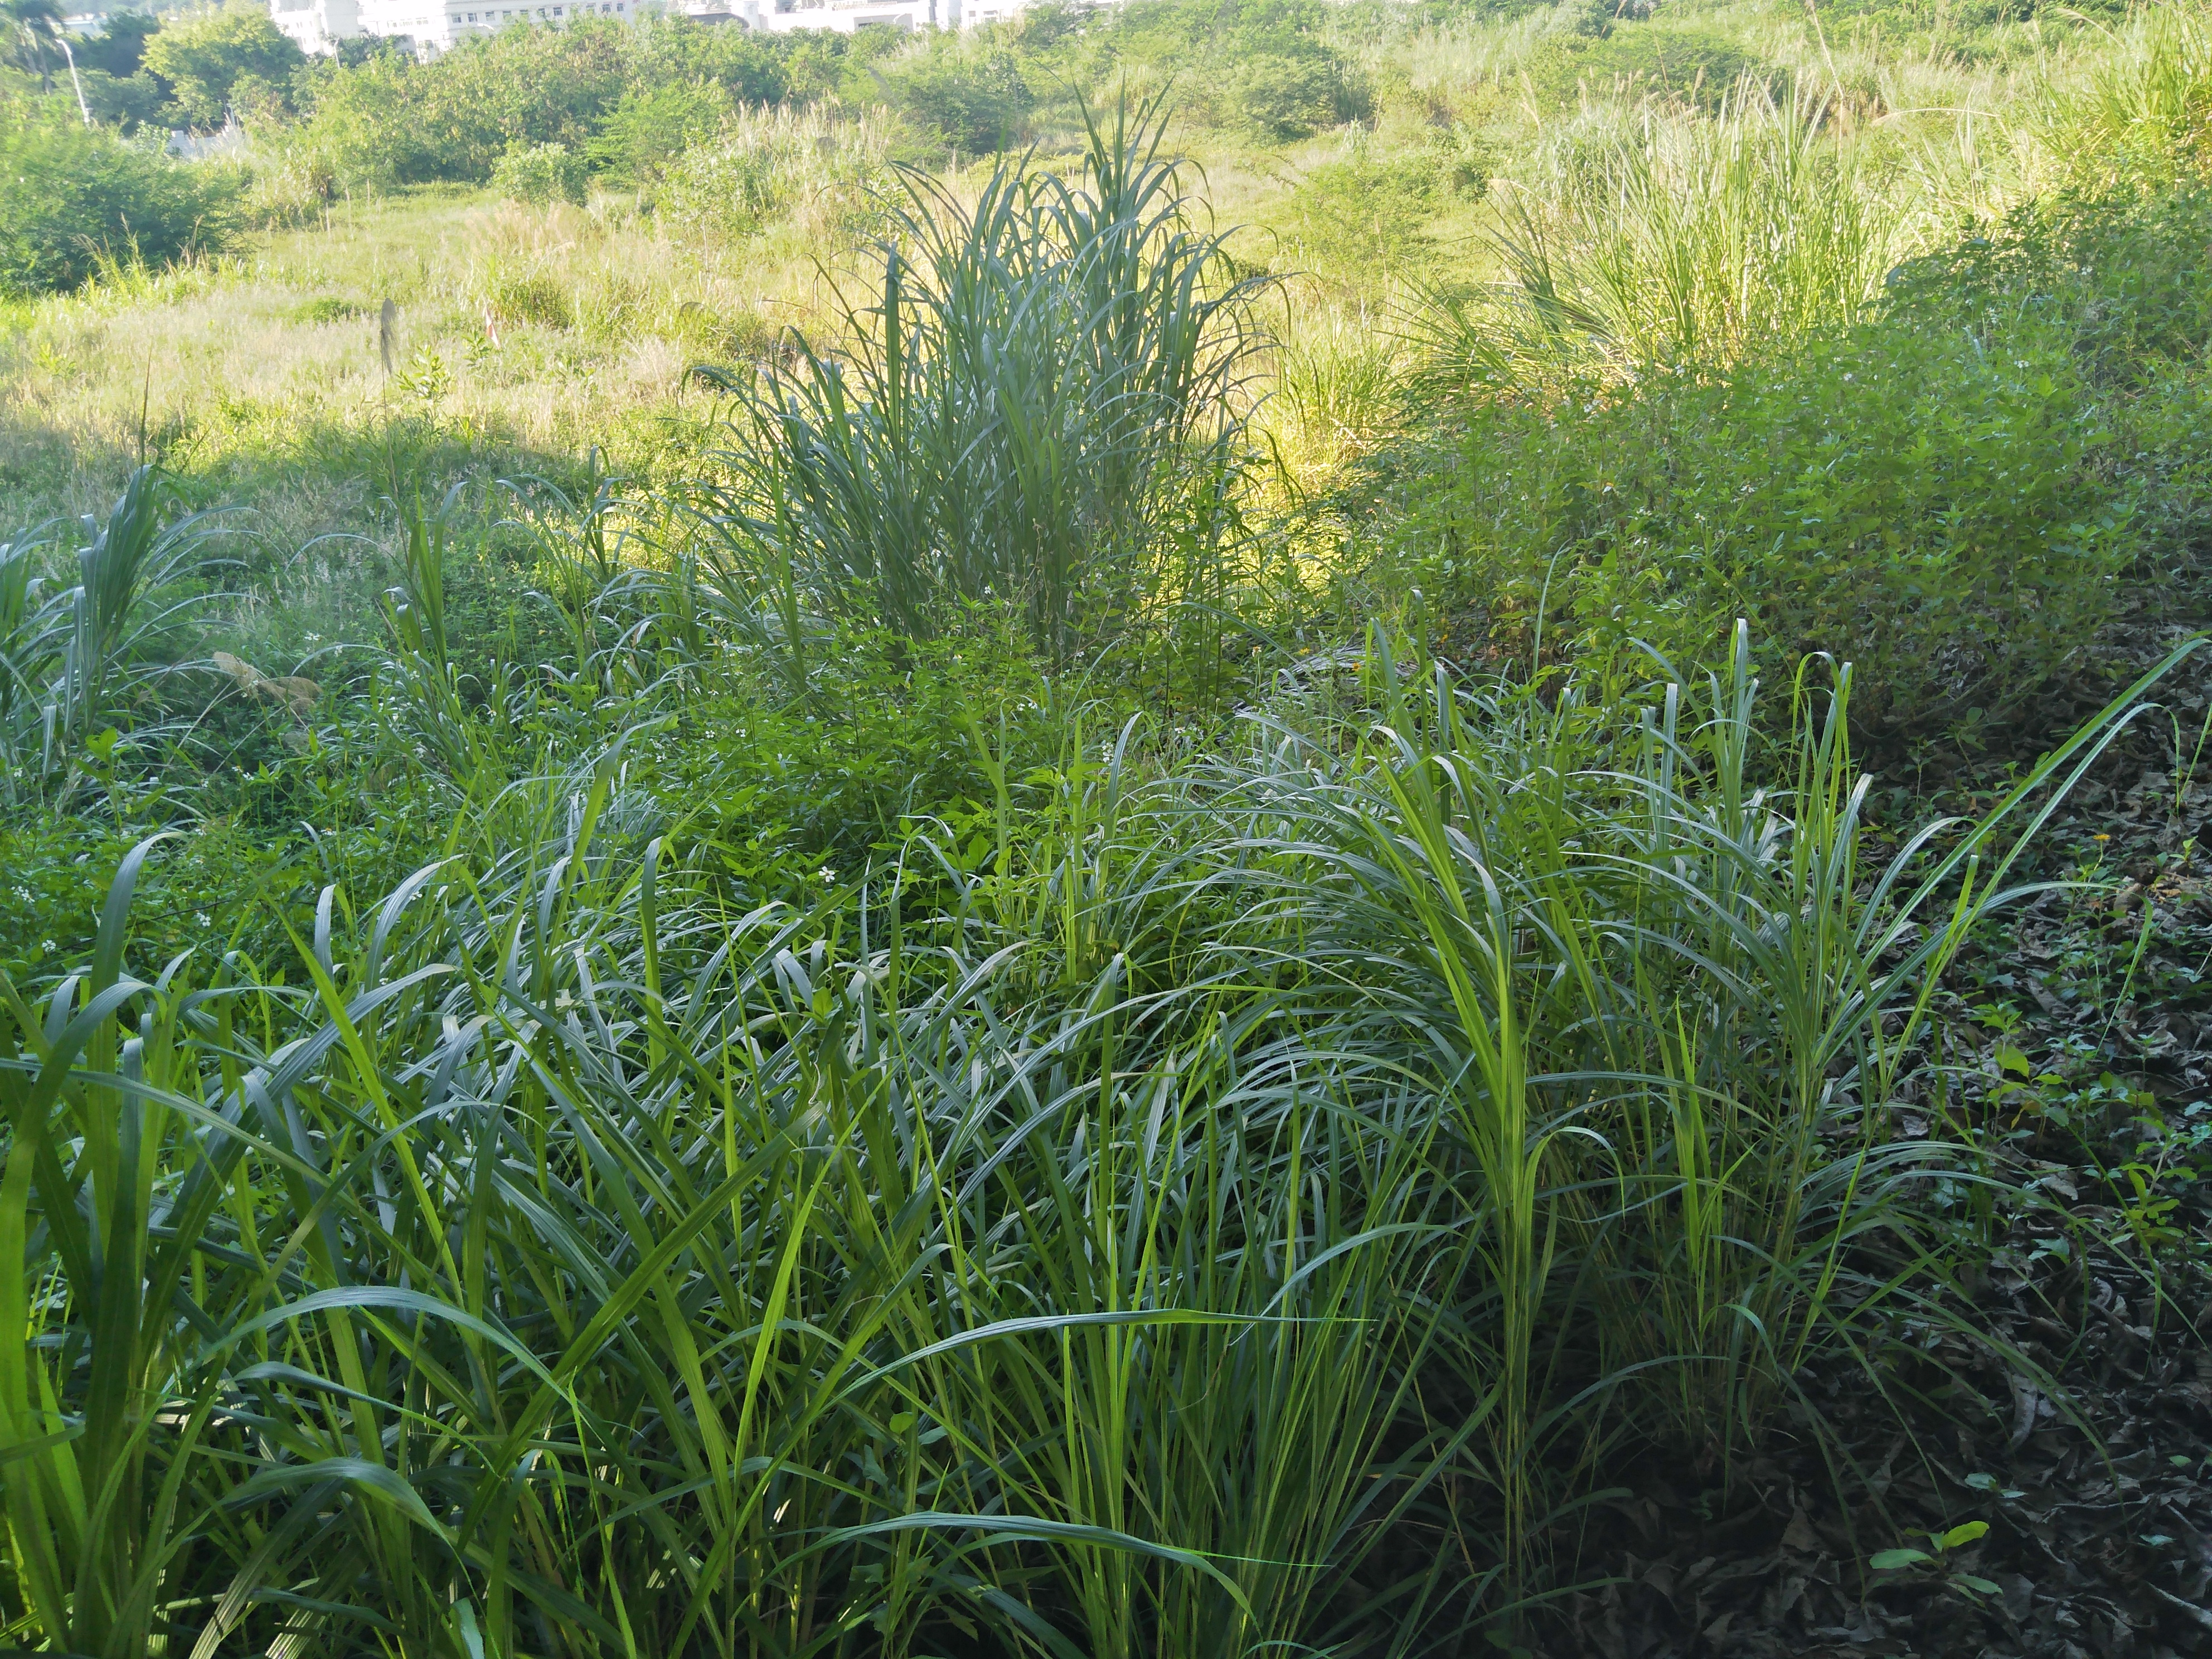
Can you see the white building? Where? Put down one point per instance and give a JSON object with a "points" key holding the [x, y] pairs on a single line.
{"points": [[436, 25], [847, 15], [432, 25]]}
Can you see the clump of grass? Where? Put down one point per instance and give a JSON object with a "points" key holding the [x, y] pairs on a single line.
{"points": [[2137, 114], [328, 308], [1667, 239], [68, 650], [1337, 390], [1126, 1253], [1039, 410], [813, 173]]}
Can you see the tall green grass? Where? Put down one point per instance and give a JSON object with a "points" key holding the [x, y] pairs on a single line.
{"points": [[2136, 116], [1657, 236], [1236, 1218], [69, 649], [1041, 411]]}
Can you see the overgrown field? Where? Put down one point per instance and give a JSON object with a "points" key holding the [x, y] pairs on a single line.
{"points": [[1191, 830]]}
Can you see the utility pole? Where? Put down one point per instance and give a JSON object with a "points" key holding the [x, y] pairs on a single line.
{"points": [[61, 40]]}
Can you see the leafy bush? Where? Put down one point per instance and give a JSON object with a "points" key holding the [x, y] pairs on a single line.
{"points": [[232, 56], [1946, 493], [624, 95], [541, 174], [653, 125], [1282, 96], [119, 48], [1690, 66], [977, 102], [1371, 205], [815, 170], [1265, 67], [70, 197]]}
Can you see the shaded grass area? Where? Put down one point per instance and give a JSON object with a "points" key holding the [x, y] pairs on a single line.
{"points": [[1512, 1007]]}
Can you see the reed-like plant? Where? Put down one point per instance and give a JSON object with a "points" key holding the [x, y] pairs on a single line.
{"points": [[1661, 237], [1253, 1174], [67, 651], [29, 637], [139, 548], [1039, 410]]}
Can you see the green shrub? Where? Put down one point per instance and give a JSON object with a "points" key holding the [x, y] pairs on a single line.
{"points": [[1947, 494], [977, 102], [627, 95], [119, 49], [327, 308], [530, 296], [653, 125], [126, 103], [1268, 68], [1370, 206], [1690, 65], [541, 174], [880, 739], [816, 170], [70, 197], [219, 58], [1283, 96]]}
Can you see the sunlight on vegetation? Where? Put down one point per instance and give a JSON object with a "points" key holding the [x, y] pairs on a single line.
{"points": [[1178, 829]]}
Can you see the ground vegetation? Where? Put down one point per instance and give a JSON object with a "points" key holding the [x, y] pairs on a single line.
{"points": [[1198, 829]]}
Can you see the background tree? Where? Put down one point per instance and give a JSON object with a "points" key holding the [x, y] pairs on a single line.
{"points": [[119, 48], [206, 58], [34, 23]]}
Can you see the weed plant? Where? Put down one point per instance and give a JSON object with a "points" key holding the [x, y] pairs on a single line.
{"points": [[1042, 410], [807, 1060], [1124, 1254]]}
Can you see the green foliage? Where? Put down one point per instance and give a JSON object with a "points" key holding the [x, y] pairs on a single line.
{"points": [[329, 308], [1372, 204], [70, 198], [1671, 242], [1523, 1044], [540, 174], [1041, 410], [2141, 119], [218, 59], [119, 48], [814, 169], [626, 95], [1947, 494], [1266, 68], [653, 125], [1694, 66], [975, 101], [768, 1072], [839, 774]]}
